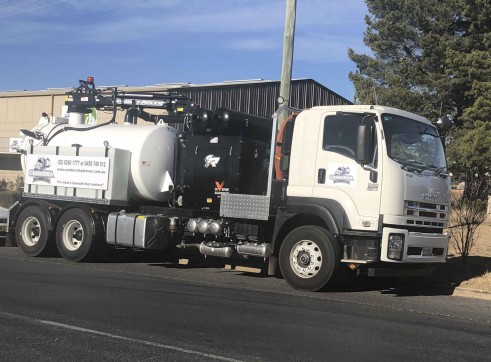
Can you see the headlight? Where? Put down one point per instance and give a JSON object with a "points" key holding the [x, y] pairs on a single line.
{"points": [[396, 246]]}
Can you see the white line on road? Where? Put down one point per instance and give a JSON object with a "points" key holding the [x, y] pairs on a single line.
{"points": [[115, 336]]}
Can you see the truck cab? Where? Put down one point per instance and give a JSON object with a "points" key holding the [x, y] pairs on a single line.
{"points": [[379, 177]]}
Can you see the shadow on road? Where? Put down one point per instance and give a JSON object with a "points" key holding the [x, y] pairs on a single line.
{"points": [[453, 272], [400, 287], [446, 278]]}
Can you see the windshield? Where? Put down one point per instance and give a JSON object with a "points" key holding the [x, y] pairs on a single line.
{"points": [[413, 144]]}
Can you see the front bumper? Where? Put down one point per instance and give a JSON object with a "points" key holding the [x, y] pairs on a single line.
{"points": [[418, 247]]}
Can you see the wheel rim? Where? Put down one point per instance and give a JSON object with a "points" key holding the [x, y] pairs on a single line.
{"points": [[73, 235], [31, 231], [306, 259]]}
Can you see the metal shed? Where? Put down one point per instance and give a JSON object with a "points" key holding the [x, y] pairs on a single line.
{"points": [[22, 109], [259, 97]]}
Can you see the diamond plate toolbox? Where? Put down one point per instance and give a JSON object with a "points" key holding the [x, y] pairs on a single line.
{"points": [[240, 206]]}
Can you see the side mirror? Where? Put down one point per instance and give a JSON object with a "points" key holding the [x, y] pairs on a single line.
{"points": [[444, 123], [364, 144]]}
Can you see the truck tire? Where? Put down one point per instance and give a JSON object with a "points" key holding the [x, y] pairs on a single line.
{"points": [[309, 257], [32, 232], [76, 236]]}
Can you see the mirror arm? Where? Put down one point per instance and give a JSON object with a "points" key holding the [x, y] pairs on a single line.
{"points": [[368, 168]]}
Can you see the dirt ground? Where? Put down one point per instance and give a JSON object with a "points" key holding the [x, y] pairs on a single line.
{"points": [[476, 274]]}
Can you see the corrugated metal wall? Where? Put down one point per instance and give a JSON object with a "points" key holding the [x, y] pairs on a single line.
{"points": [[260, 98], [23, 109], [22, 112]]}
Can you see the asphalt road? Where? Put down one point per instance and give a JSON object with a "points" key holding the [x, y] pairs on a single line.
{"points": [[139, 309]]}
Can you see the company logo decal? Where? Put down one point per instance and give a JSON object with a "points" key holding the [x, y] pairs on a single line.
{"points": [[40, 172], [219, 187], [211, 160], [342, 175]]}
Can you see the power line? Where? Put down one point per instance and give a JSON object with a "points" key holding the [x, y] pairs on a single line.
{"points": [[13, 6], [26, 11]]}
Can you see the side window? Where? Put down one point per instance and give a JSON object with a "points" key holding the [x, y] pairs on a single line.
{"points": [[340, 134]]}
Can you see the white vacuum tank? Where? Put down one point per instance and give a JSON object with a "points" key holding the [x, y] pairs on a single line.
{"points": [[151, 147]]}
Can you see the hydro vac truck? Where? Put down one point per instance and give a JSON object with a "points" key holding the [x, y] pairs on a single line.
{"points": [[358, 187]]}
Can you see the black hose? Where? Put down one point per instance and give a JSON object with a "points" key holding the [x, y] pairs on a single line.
{"points": [[75, 129]]}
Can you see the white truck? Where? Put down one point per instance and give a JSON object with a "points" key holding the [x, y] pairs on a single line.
{"points": [[363, 186]]}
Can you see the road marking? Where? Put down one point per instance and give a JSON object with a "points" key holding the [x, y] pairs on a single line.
{"points": [[116, 336]]}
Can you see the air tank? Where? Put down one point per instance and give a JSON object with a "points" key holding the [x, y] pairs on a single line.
{"points": [[151, 147]]}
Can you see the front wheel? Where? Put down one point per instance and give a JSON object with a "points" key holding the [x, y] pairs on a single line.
{"points": [[309, 257], [76, 236]]}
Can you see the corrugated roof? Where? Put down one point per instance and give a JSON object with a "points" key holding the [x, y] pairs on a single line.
{"points": [[163, 87]]}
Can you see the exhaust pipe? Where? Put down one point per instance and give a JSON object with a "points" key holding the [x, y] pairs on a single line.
{"points": [[262, 250], [220, 251]]}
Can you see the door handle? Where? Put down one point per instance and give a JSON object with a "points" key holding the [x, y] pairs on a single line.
{"points": [[321, 176]]}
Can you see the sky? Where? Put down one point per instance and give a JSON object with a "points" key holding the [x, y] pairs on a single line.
{"points": [[54, 43]]}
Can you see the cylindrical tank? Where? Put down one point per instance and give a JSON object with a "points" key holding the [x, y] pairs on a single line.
{"points": [[151, 147], [229, 122], [200, 121]]}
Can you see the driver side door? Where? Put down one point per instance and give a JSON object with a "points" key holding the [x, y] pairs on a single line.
{"points": [[340, 178]]}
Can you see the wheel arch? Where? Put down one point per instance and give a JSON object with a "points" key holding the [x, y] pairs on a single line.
{"points": [[91, 243], [98, 222], [49, 210], [328, 214]]}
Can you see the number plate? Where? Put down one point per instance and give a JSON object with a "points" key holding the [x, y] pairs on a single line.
{"points": [[427, 251]]}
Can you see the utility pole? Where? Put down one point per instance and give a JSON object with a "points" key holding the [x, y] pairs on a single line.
{"points": [[288, 41]]}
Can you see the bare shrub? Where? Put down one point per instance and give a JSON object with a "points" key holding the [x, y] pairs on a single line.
{"points": [[12, 185], [16, 184], [469, 210]]}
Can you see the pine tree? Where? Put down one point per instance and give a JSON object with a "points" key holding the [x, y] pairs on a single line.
{"points": [[433, 58]]}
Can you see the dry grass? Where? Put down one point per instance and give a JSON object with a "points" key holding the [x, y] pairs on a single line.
{"points": [[477, 273]]}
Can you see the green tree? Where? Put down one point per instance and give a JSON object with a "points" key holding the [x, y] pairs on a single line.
{"points": [[433, 58]]}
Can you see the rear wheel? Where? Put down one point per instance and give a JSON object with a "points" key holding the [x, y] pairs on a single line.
{"points": [[33, 231], [76, 236], [309, 257]]}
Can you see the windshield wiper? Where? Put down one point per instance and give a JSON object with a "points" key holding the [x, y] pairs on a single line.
{"points": [[438, 170], [420, 167], [409, 165]]}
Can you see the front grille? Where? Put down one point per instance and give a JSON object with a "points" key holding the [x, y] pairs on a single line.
{"points": [[424, 214]]}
